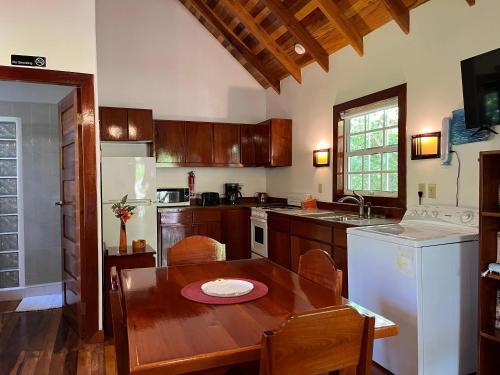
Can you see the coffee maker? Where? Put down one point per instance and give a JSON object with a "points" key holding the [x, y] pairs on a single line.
{"points": [[232, 193]]}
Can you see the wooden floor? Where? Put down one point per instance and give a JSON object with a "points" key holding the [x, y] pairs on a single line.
{"points": [[40, 343]]}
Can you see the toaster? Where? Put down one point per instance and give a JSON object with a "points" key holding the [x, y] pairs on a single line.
{"points": [[210, 199]]}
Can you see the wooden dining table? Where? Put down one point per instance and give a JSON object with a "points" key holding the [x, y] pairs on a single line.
{"points": [[169, 334]]}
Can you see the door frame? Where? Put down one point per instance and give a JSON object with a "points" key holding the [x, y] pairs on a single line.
{"points": [[84, 83]]}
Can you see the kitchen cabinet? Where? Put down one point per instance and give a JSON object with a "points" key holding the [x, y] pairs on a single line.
{"points": [[126, 124], [121, 260], [199, 143], [170, 141], [228, 225], [278, 239], [227, 144], [300, 245], [236, 232], [280, 139]]}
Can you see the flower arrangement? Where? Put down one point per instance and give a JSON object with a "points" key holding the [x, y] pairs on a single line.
{"points": [[122, 210]]}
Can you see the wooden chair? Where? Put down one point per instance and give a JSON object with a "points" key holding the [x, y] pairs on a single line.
{"points": [[196, 249], [318, 266], [119, 324], [328, 339]]}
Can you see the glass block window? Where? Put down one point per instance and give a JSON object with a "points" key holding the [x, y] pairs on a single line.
{"points": [[11, 255], [371, 149]]}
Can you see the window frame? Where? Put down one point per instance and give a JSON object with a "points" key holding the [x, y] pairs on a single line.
{"points": [[339, 136]]}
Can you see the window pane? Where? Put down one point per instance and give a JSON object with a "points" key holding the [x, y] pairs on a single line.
{"points": [[9, 279], [357, 124], [355, 163], [357, 142], [8, 186], [391, 137], [8, 205], [8, 168], [390, 162], [372, 162], [8, 130], [7, 149], [392, 116], [8, 261], [376, 120], [375, 139], [390, 182], [375, 181], [355, 182], [8, 242], [8, 224]]}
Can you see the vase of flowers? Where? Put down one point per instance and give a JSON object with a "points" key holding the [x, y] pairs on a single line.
{"points": [[124, 212]]}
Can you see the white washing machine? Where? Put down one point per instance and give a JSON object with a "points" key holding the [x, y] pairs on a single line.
{"points": [[422, 274]]}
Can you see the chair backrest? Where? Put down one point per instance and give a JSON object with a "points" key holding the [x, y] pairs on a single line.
{"points": [[196, 249], [119, 324], [318, 266], [319, 341]]}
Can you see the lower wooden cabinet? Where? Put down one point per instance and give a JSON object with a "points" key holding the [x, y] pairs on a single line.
{"points": [[236, 232], [300, 246], [279, 247]]}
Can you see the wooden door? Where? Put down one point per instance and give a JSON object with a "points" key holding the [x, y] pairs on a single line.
{"points": [[200, 142], [281, 143], [140, 125], [279, 247], [226, 143], [113, 124], [71, 165], [207, 222], [300, 246], [262, 144], [170, 141], [247, 145]]}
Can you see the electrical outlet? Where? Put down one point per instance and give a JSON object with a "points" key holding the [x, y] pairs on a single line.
{"points": [[431, 192], [320, 188], [421, 187]]}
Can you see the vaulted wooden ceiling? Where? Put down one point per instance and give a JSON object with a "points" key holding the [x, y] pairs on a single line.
{"points": [[262, 34]]}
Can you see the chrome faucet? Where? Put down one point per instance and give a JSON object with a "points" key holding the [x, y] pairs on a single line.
{"points": [[358, 198]]}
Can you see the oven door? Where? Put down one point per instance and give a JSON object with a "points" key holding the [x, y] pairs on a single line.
{"points": [[259, 236]]}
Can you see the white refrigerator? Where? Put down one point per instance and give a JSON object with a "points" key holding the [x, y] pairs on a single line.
{"points": [[135, 176]]}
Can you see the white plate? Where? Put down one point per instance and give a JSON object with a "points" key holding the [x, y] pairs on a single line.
{"points": [[227, 288]]}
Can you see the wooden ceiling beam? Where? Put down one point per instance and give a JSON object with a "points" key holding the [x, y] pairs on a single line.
{"points": [[299, 32], [233, 39], [258, 31], [400, 13], [332, 11], [471, 2]]}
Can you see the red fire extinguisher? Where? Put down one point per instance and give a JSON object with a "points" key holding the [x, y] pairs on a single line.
{"points": [[191, 184]]}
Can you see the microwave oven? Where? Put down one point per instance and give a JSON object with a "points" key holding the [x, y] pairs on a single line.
{"points": [[172, 197]]}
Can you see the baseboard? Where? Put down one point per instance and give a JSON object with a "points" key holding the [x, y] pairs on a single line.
{"points": [[15, 294]]}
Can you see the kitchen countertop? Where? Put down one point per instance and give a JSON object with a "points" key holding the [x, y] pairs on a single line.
{"points": [[325, 216]]}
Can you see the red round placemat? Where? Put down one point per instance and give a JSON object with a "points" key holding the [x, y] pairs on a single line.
{"points": [[194, 293]]}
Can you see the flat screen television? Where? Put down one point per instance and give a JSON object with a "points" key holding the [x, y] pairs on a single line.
{"points": [[481, 90]]}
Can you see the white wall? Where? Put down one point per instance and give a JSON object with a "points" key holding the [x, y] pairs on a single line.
{"points": [[442, 34], [155, 54], [61, 30]]}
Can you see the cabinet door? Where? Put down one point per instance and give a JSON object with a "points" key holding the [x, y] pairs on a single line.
{"points": [[113, 124], [281, 143], [261, 140], [169, 236], [170, 141], [226, 143], [140, 125], [300, 246], [279, 247], [210, 229], [340, 259], [236, 233], [247, 145], [200, 142]]}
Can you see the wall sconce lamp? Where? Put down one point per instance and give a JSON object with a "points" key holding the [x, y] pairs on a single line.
{"points": [[426, 146], [321, 158]]}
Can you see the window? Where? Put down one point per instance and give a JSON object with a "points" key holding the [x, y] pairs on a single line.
{"points": [[11, 238], [369, 134]]}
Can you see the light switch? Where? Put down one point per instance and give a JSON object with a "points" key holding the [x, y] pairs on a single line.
{"points": [[320, 188], [431, 191]]}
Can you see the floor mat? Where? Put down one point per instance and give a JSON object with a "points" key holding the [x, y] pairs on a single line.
{"points": [[50, 301]]}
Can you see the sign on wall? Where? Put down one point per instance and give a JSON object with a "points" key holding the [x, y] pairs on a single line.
{"points": [[25, 60]]}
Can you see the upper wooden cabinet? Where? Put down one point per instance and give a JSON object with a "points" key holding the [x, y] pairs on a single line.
{"points": [[227, 144], [199, 142], [185, 143], [170, 141], [126, 124]]}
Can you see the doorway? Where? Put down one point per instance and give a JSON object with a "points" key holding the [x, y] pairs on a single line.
{"points": [[78, 251]]}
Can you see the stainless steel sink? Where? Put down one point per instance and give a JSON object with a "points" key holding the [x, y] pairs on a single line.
{"points": [[336, 217]]}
